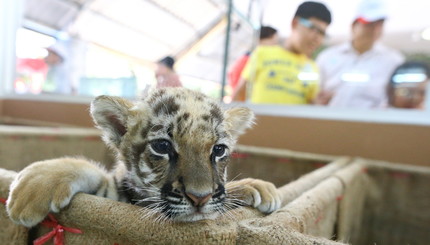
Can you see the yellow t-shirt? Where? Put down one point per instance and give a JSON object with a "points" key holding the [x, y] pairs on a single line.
{"points": [[281, 77]]}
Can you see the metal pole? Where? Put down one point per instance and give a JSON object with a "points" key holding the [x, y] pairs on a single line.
{"points": [[11, 14], [226, 49]]}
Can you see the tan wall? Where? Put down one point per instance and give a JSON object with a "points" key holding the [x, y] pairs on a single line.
{"points": [[53, 112], [389, 142], [1, 108]]}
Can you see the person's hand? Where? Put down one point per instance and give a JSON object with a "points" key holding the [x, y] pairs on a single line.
{"points": [[323, 98]]}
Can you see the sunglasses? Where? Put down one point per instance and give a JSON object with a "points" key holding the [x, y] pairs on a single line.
{"points": [[311, 26]]}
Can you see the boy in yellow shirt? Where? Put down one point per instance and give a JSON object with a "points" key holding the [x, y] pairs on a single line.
{"points": [[286, 75]]}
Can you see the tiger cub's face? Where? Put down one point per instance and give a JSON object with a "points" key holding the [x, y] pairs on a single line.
{"points": [[176, 145]]}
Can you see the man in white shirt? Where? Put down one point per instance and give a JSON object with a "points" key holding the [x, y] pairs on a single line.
{"points": [[356, 74]]}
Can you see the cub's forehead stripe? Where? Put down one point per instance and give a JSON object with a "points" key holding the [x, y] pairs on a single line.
{"points": [[215, 112], [167, 106], [156, 95]]}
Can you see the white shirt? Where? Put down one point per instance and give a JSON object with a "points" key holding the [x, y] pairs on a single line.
{"points": [[357, 80]]}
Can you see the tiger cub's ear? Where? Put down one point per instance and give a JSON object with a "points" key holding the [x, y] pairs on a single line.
{"points": [[110, 115], [237, 120]]}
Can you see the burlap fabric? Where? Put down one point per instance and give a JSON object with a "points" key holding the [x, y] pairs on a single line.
{"points": [[356, 201], [307, 218], [279, 166], [10, 233], [396, 206], [22, 145]]}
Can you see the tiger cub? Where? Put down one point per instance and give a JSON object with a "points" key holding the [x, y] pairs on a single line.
{"points": [[172, 152]]}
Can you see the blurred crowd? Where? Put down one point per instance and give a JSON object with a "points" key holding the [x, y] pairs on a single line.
{"points": [[296, 70], [360, 73]]}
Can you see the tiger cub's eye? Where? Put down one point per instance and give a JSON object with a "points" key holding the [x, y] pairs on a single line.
{"points": [[219, 150], [162, 146]]}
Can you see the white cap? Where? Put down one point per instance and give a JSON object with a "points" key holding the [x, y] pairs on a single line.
{"points": [[59, 49], [371, 11]]}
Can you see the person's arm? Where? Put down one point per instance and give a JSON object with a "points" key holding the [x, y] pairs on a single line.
{"points": [[323, 96], [239, 94], [247, 75]]}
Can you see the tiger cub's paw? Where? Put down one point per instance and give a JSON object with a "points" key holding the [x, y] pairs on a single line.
{"points": [[31, 198], [46, 186], [257, 193]]}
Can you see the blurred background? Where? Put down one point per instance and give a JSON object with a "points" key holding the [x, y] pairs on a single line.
{"points": [[57, 55], [111, 47]]}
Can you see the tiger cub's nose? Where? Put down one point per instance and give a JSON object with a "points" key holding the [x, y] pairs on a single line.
{"points": [[198, 200]]}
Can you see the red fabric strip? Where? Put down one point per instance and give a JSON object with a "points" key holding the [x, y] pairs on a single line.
{"points": [[57, 232]]}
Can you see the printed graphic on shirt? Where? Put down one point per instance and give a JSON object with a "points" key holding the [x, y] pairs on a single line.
{"points": [[281, 77]]}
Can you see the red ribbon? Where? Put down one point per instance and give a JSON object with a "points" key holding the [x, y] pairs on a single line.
{"points": [[57, 232]]}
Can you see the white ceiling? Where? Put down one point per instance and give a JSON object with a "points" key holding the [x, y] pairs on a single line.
{"points": [[143, 29]]}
